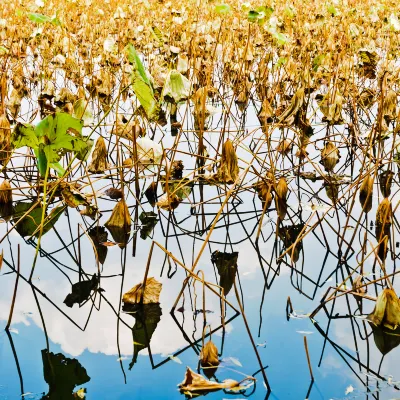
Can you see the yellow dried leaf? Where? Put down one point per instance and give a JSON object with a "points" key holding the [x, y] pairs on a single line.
{"points": [[151, 292]]}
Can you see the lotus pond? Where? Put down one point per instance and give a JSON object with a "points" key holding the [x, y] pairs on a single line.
{"points": [[199, 199]]}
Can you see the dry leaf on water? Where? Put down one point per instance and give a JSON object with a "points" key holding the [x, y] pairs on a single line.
{"points": [[151, 292], [196, 384]]}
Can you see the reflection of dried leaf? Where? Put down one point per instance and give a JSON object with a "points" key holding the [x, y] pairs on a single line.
{"points": [[385, 339], [147, 317], [151, 193], [289, 235], [226, 264], [81, 291], [151, 292], [149, 221], [99, 235], [62, 374]]}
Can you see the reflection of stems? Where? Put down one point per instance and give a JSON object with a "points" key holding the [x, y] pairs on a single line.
{"points": [[251, 338], [308, 358], [15, 290], [21, 382], [41, 222]]}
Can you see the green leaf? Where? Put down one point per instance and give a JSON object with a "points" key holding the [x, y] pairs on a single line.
{"points": [[58, 168], [252, 16], [158, 35], [281, 61], [176, 86], [222, 9], [55, 129], [41, 160], [289, 12], [280, 37], [39, 18], [331, 10], [142, 85], [83, 154], [318, 60], [81, 111], [24, 135], [137, 64]]}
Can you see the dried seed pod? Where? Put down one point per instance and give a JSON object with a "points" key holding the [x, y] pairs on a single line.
{"points": [[5, 192], [385, 182], [99, 157], [329, 156], [209, 359], [5, 138], [366, 190], [228, 169]]}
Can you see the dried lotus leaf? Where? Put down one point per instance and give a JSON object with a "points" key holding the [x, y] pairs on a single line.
{"points": [[151, 293]]}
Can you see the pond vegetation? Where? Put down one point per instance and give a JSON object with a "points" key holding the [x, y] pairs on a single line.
{"points": [[173, 162]]}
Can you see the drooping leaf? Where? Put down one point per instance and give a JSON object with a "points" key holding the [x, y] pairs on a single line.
{"points": [[176, 87]]}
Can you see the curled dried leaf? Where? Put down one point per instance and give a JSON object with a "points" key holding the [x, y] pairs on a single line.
{"points": [[387, 310], [228, 169], [99, 157]]}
